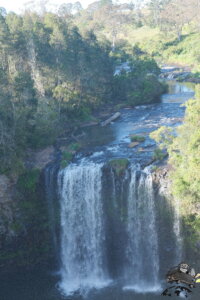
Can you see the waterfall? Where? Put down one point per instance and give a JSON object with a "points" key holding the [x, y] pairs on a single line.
{"points": [[110, 227], [82, 228], [177, 231], [142, 268], [51, 196]]}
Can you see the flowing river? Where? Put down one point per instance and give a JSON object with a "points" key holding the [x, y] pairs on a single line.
{"points": [[115, 241]]}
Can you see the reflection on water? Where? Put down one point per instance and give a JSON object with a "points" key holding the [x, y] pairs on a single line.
{"points": [[180, 87], [178, 92]]}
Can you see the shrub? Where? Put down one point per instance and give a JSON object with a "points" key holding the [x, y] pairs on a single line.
{"points": [[66, 157], [137, 138], [119, 165], [159, 154], [28, 180]]}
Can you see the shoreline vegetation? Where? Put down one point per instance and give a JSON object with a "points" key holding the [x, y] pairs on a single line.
{"points": [[58, 73], [53, 79]]}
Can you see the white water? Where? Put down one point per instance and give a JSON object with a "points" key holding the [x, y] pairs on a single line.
{"points": [[142, 255], [177, 232], [84, 237], [82, 226]]}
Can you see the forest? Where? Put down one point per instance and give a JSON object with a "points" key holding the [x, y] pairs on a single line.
{"points": [[53, 77], [59, 70], [56, 68]]}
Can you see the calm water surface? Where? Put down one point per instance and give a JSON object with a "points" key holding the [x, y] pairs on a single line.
{"points": [[41, 285]]}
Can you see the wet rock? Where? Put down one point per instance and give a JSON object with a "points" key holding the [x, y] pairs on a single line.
{"points": [[133, 144], [182, 273], [179, 290]]}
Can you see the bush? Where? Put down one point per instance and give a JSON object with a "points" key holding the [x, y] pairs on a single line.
{"points": [[27, 182], [119, 165], [74, 146], [137, 138], [159, 154], [66, 157]]}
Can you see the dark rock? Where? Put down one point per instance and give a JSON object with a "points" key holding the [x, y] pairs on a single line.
{"points": [[181, 273]]}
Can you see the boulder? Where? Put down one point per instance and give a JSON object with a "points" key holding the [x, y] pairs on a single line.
{"points": [[182, 273]]}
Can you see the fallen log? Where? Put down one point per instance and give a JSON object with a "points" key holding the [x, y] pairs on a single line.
{"points": [[112, 118], [77, 138]]}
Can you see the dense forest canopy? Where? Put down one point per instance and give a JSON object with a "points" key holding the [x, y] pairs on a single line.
{"points": [[53, 76]]}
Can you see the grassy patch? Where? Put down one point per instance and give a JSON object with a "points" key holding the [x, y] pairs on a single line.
{"points": [[68, 153], [74, 147], [137, 138], [66, 157], [119, 165]]}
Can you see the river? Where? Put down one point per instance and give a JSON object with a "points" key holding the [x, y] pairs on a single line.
{"points": [[100, 259]]}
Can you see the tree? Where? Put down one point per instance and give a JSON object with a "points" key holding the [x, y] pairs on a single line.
{"points": [[65, 9], [77, 7], [3, 12], [183, 149], [176, 14], [4, 33], [185, 155]]}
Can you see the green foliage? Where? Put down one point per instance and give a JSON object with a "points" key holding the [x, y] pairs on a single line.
{"points": [[140, 85], [66, 157], [192, 225], [28, 180], [185, 51], [44, 128], [74, 146], [184, 155], [137, 138], [159, 154], [119, 165], [164, 136], [183, 149], [52, 78]]}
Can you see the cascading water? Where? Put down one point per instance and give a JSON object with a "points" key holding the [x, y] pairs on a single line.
{"points": [[51, 196], [142, 253], [109, 228], [82, 228], [177, 231]]}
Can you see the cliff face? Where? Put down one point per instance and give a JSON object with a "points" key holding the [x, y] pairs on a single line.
{"points": [[189, 216], [24, 224], [8, 208], [162, 181]]}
